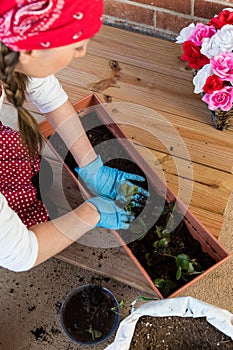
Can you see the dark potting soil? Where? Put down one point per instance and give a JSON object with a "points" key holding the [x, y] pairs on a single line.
{"points": [[160, 263], [88, 315], [178, 333]]}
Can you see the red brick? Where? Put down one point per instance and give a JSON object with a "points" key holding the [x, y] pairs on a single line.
{"points": [[182, 6], [173, 23], [207, 9], [129, 12]]}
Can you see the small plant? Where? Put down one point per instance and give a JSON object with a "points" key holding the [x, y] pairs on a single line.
{"points": [[186, 267], [165, 285], [163, 247], [128, 191], [115, 308], [95, 334], [138, 226], [165, 255], [87, 314]]}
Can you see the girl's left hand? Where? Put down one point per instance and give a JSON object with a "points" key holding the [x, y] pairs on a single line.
{"points": [[105, 181], [111, 216]]}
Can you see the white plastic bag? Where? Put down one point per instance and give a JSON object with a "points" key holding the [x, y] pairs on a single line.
{"points": [[183, 307]]}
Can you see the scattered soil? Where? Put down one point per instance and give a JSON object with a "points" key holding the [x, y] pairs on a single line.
{"points": [[178, 333], [88, 316], [162, 263]]}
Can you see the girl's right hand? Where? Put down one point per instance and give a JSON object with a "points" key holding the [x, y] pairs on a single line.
{"points": [[111, 216]]}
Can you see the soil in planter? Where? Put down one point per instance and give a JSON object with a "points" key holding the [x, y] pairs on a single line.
{"points": [[161, 264], [88, 315], [178, 333]]}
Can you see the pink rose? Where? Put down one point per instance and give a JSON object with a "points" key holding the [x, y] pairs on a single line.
{"points": [[222, 99], [222, 65], [200, 32]]}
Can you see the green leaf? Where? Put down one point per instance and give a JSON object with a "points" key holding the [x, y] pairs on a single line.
{"points": [[149, 259], [156, 244], [159, 230], [97, 334], [129, 207], [121, 304], [166, 234], [159, 282], [128, 190], [190, 268], [163, 242], [182, 260], [178, 273]]}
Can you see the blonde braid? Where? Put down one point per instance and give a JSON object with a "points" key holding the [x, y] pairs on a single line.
{"points": [[14, 85]]}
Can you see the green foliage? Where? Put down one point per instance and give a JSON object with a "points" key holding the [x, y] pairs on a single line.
{"points": [[139, 226], [129, 191], [115, 308], [185, 266], [165, 285]]}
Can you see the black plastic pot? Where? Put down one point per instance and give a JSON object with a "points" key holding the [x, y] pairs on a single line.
{"points": [[90, 314]]}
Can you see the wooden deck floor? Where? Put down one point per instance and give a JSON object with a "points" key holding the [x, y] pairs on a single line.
{"points": [[146, 78]]}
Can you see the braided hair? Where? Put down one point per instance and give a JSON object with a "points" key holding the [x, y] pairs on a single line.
{"points": [[14, 85]]}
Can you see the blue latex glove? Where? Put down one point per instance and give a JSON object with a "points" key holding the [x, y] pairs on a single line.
{"points": [[111, 216], [105, 181]]}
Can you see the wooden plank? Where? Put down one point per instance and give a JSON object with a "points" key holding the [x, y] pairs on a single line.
{"points": [[211, 187], [140, 50], [134, 83], [207, 150], [212, 221], [205, 145]]}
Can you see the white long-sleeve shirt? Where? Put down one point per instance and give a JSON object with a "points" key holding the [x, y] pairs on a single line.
{"points": [[18, 245]]}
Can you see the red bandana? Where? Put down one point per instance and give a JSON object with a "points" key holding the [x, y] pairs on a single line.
{"points": [[44, 24]]}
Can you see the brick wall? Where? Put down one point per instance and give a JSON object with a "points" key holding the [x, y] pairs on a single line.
{"points": [[164, 18]]}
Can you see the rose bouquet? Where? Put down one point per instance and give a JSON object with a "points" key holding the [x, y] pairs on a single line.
{"points": [[208, 49]]}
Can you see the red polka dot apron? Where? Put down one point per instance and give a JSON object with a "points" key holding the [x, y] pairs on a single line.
{"points": [[17, 168]]}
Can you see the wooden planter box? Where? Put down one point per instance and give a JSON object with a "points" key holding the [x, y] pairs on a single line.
{"points": [[208, 243]]}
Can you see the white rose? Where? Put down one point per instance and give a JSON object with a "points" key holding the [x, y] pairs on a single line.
{"points": [[210, 48], [200, 79], [185, 33], [224, 38]]}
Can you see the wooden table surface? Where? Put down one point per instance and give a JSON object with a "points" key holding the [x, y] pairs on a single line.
{"points": [[149, 91]]}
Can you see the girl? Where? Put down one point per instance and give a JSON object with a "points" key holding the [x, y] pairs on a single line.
{"points": [[37, 39]]}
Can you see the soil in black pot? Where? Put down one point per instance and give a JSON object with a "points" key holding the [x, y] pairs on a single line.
{"points": [[178, 333], [88, 316], [160, 261]]}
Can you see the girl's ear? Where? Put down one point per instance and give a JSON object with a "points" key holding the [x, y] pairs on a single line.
{"points": [[25, 56]]}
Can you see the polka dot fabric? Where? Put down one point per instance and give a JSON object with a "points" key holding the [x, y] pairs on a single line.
{"points": [[16, 171]]}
